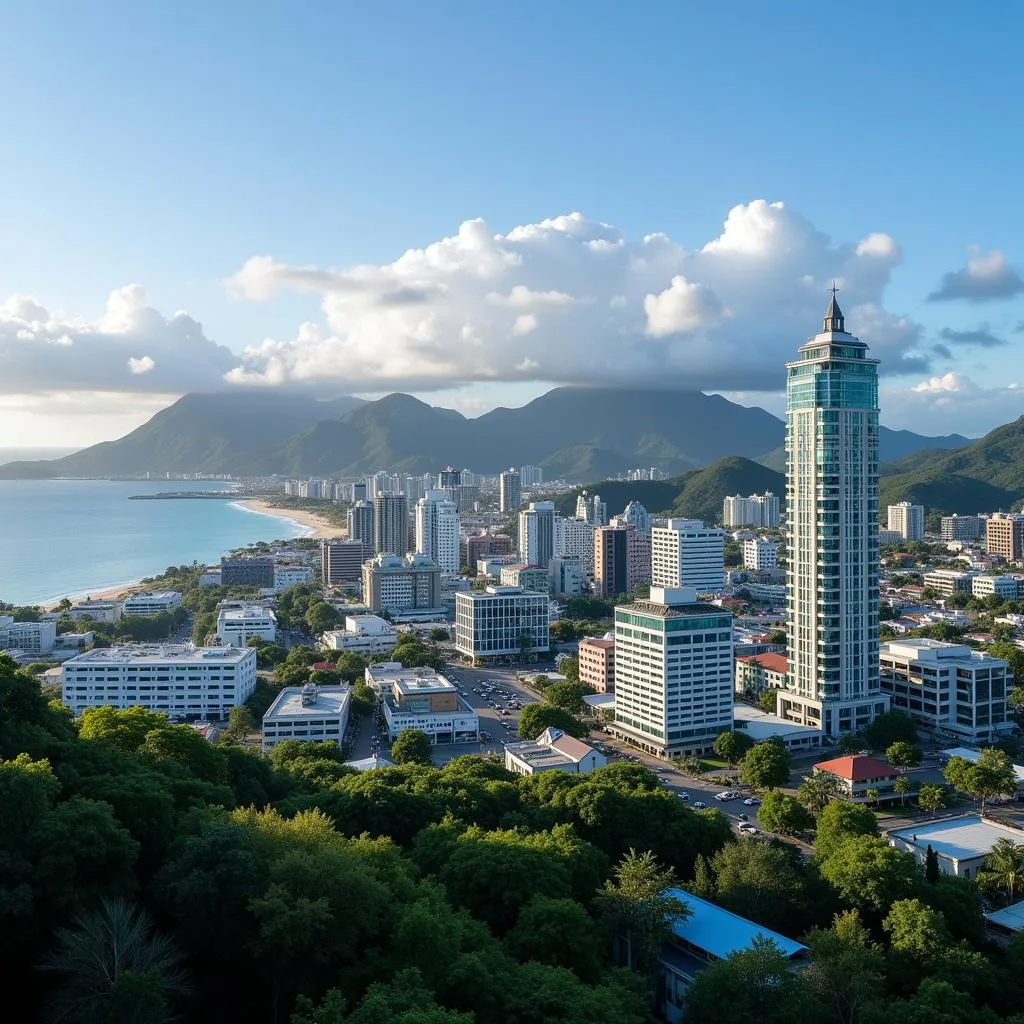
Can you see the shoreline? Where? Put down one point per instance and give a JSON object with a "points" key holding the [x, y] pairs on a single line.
{"points": [[106, 594], [312, 525]]}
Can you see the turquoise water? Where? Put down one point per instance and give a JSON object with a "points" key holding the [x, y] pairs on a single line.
{"points": [[68, 537]]}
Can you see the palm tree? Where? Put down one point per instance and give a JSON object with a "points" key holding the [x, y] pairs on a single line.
{"points": [[871, 795], [113, 966], [1004, 868], [818, 790]]}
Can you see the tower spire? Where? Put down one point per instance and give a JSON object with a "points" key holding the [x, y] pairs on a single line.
{"points": [[834, 319]]}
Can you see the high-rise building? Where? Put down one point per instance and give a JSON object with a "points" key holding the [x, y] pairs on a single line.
{"points": [[359, 491], [486, 545], [760, 554], [500, 622], [686, 553], [567, 576], [531, 476], [907, 520], [639, 556], [341, 561], [754, 510], [437, 530], [390, 524], [402, 585], [611, 560], [448, 477], [832, 511], [537, 532], [510, 491], [591, 508], [673, 672], [964, 528], [412, 488], [636, 515], [576, 537], [1004, 536], [360, 522]]}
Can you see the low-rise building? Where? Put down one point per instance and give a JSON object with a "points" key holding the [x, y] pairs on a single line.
{"points": [[74, 640], [864, 779], [30, 637], [948, 581], [96, 611], [759, 672], [291, 576], [420, 698], [965, 528], [950, 689], [760, 554], [553, 750], [501, 622], [534, 578], [181, 680], [247, 572], [597, 662], [151, 602], [995, 586], [236, 624], [363, 634], [311, 714], [961, 844], [760, 726]]}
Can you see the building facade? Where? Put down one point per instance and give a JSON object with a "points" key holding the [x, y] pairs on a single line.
{"points": [[862, 779], [673, 672], [401, 585], [611, 560], [247, 572], [419, 698], [553, 750], [965, 528], [575, 537], [501, 622], [145, 603], [685, 553], [510, 491], [1007, 587], [907, 520], [756, 673], [235, 625], [486, 545], [310, 714], [567, 576], [342, 561], [760, 554], [754, 510], [1004, 536], [360, 521], [832, 532], [948, 581], [363, 634], [390, 524], [597, 663], [437, 530], [30, 637], [98, 611], [536, 578], [537, 532]]}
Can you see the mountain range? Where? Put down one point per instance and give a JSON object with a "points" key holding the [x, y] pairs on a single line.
{"points": [[573, 433]]}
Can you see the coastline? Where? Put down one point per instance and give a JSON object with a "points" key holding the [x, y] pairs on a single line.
{"points": [[309, 523], [108, 594]]}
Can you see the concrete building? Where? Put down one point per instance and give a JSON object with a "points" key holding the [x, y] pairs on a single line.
{"points": [[401, 585], [685, 553], [419, 698], [832, 533], [961, 844], [360, 522], [144, 603], [486, 545], [390, 524], [553, 750], [760, 726], [864, 779], [760, 554], [637, 516], [755, 510], [286, 576], [638, 557], [535, 578], [30, 637], [1004, 536], [247, 572], [597, 662], [537, 532], [510, 491], [965, 528], [1007, 587], [889, 537], [531, 476], [437, 530], [235, 625], [949, 689], [756, 673], [567, 576], [310, 714], [611, 560], [96, 611], [575, 537], [363, 634], [341, 561], [907, 520], [673, 672], [948, 581], [591, 508], [181, 680], [501, 622]]}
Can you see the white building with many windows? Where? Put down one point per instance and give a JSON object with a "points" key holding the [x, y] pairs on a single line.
{"points": [[96, 611], [537, 532], [755, 510], [420, 698], [686, 553], [181, 680], [143, 603], [30, 637], [437, 530], [501, 622], [996, 586], [553, 750], [363, 634], [907, 520], [575, 538], [673, 672], [291, 576], [235, 624], [760, 554], [310, 714]]}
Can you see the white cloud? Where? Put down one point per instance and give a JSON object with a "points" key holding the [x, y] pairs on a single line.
{"points": [[951, 403], [600, 307], [983, 279], [143, 365]]}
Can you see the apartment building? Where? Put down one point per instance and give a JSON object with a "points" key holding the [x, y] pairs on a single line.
{"points": [[597, 662], [756, 673], [486, 545], [363, 634], [907, 520], [510, 491], [760, 554], [390, 524], [567, 576], [341, 561], [235, 624], [755, 510], [437, 530], [611, 560], [1007, 587], [501, 622], [310, 714], [96, 611], [402, 585], [30, 637], [948, 581], [685, 553], [965, 528], [145, 603], [1004, 536], [575, 538], [536, 578], [537, 532], [247, 572], [360, 522]]}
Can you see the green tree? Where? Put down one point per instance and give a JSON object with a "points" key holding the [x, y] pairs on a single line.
{"points": [[931, 866], [111, 965], [567, 696], [438, 635], [784, 814], [888, 728], [124, 730], [846, 968], [1003, 871], [1015, 701], [931, 797], [935, 1002], [768, 700], [839, 822], [320, 617], [903, 787], [818, 790], [638, 906], [241, 722], [869, 873], [913, 927], [991, 775], [558, 932], [732, 745], [412, 746], [535, 718], [778, 637], [902, 754], [766, 765], [570, 668]]}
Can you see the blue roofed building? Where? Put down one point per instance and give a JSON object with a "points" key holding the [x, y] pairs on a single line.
{"points": [[710, 933]]}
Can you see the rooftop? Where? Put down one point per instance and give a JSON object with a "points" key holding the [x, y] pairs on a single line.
{"points": [[760, 725], [772, 662], [248, 611], [601, 642], [330, 700], [153, 595], [672, 611], [1011, 918], [161, 654], [413, 684], [856, 768], [972, 755], [550, 749], [958, 838], [367, 764]]}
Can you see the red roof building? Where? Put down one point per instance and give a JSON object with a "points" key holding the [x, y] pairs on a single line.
{"points": [[864, 778]]}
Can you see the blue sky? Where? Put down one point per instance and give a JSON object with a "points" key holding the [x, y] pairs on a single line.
{"points": [[166, 145]]}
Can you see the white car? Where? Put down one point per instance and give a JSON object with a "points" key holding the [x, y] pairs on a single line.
{"points": [[684, 796], [745, 826], [751, 801]]}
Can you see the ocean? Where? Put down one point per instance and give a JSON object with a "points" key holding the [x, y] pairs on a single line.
{"points": [[69, 537]]}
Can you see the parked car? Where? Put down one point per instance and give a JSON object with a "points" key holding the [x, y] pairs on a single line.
{"points": [[700, 805], [684, 796]]}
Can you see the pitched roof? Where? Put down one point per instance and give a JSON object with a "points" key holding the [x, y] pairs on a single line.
{"points": [[572, 748], [771, 661], [856, 768]]}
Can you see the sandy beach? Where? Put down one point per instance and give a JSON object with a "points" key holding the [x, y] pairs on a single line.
{"points": [[319, 527], [110, 594]]}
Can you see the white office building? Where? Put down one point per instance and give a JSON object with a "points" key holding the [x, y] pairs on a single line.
{"points": [[291, 576], [310, 714], [832, 528], [907, 520], [953, 691], [996, 586], [686, 553], [673, 672], [29, 637], [437, 530], [363, 634], [236, 623], [181, 680], [96, 611], [419, 698], [575, 538], [402, 586], [501, 622], [537, 532], [760, 554], [145, 603], [567, 576], [754, 510], [553, 750]]}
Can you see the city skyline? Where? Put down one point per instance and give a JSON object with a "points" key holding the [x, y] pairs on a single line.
{"points": [[275, 208]]}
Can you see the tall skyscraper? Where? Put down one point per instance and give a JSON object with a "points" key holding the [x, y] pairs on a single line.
{"points": [[448, 477], [437, 530], [1004, 536], [832, 512], [907, 520], [510, 491], [360, 522], [390, 524], [686, 553], [611, 560], [359, 491], [531, 475], [576, 537], [537, 533]]}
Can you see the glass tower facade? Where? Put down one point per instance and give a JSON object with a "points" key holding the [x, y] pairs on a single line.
{"points": [[832, 507]]}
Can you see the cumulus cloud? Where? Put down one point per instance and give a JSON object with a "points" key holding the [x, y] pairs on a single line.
{"points": [[983, 279], [981, 336], [952, 403], [578, 301], [47, 352]]}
